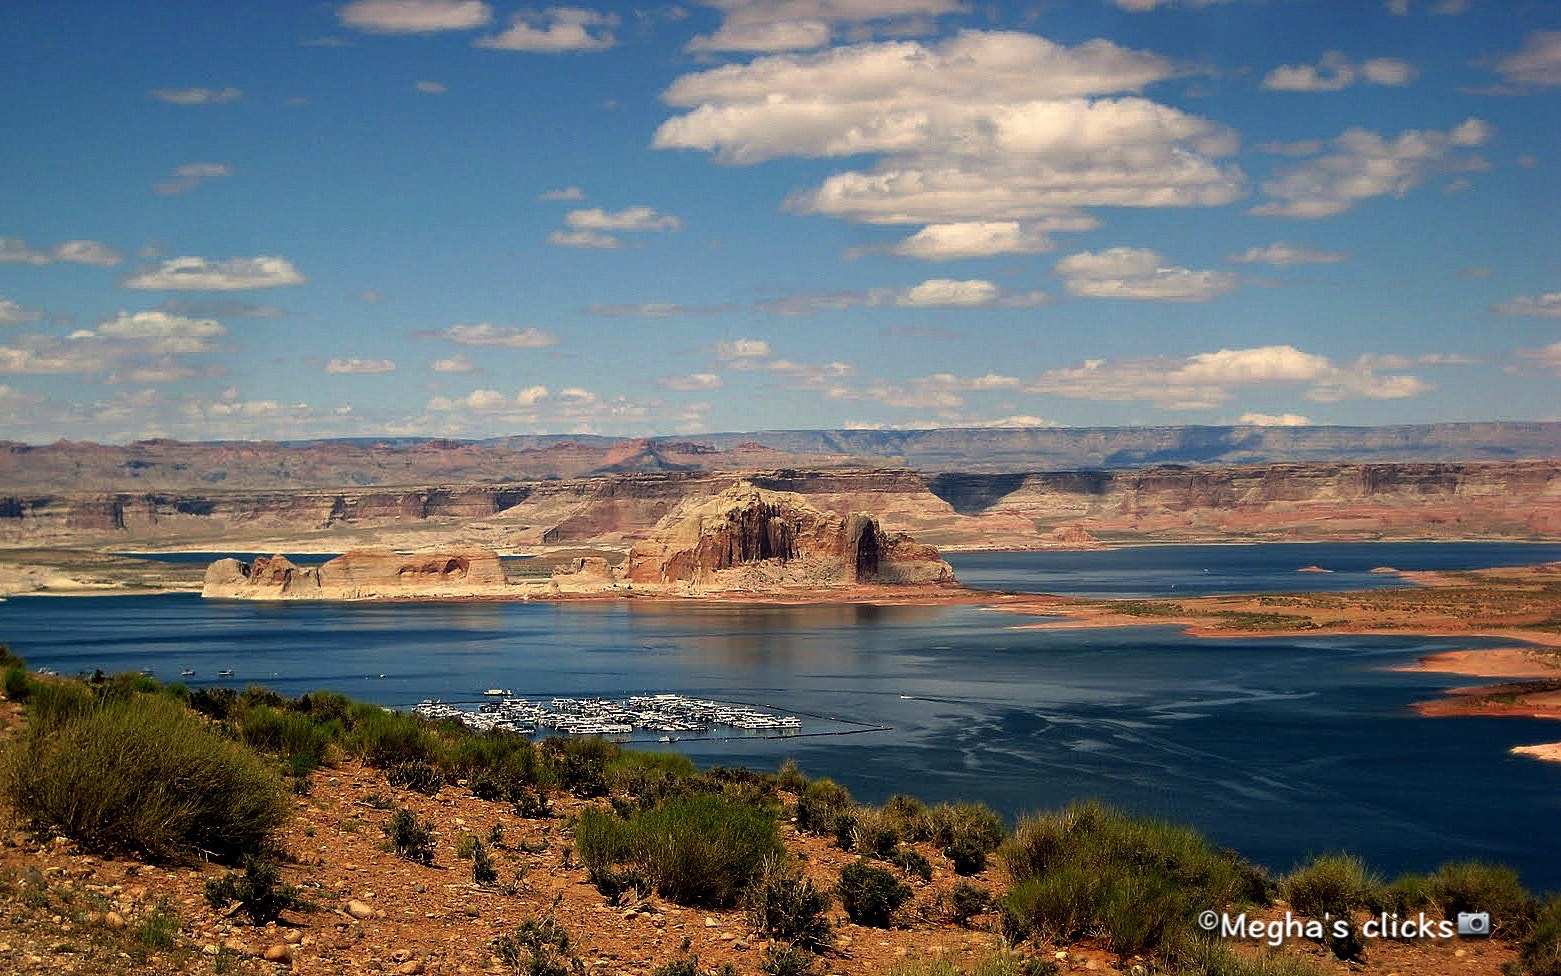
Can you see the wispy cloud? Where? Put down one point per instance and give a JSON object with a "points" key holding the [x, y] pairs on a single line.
{"points": [[353, 367], [197, 96], [1142, 274], [200, 274], [14, 250], [1281, 254], [1546, 306], [189, 176], [555, 30], [415, 16], [493, 336]]}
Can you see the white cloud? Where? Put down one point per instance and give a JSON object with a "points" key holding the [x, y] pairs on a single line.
{"points": [[563, 193], [1144, 6], [742, 349], [692, 382], [14, 250], [1274, 420], [126, 346], [1139, 273], [430, 87], [234, 274], [189, 176], [986, 238], [584, 238], [1297, 149], [1281, 254], [1364, 165], [801, 25], [967, 293], [1537, 62], [486, 334], [982, 127], [1335, 72], [457, 363], [1548, 357], [630, 219], [555, 29], [1208, 380], [950, 293], [197, 96], [1545, 306], [415, 16], [174, 333], [655, 310], [352, 367], [12, 313]]}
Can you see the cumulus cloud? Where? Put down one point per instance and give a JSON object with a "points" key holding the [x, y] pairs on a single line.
{"points": [[1281, 254], [457, 363], [234, 274], [1274, 420], [1545, 306], [632, 219], [189, 176], [351, 367], [223, 308], [801, 25], [415, 16], [1548, 357], [127, 346], [969, 293], [554, 30], [585, 238], [14, 250], [692, 382], [1335, 72], [197, 96], [486, 334], [1210, 379], [1364, 165], [1139, 273], [1144, 6], [985, 238], [12, 313], [980, 128], [742, 349], [1537, 63]]}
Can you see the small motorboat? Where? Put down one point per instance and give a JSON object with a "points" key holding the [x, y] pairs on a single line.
{"points": [[498, 693], [225, 673], [186, 672]]}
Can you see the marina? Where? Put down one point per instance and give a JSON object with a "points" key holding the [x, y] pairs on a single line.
{"points": [[661, 717]]}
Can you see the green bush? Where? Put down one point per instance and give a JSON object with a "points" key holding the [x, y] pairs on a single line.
{"points": [[539, 947], [54, 702], [145, 775], [18, 685], [1091, 870], [973, 825], [387, 739], [873, 833], [909, 816], [214, 703], [785, 960], [785, 905], [159, 929], [682, 967], [870, 895], [789, 777], [416, 775], [483, 870], [966, 857], [408, 838], [579, 764], [290, 734], [259, 892], [1475, 886], [912, 862], [1540, 954], [966, 901], [1337, 885], [820, 805], [997, 964]]}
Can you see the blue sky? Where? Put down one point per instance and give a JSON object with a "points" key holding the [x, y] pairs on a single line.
{"points": [[463, 218]]}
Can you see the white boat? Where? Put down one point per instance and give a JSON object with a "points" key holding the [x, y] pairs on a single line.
{"points": [[498, 693], [186, 672], [225, 673]]}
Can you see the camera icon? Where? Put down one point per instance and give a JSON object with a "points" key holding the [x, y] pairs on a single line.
{"points": [[1474, 923]]}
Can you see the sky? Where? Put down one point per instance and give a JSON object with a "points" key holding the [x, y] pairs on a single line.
{"points": [[460, 218]]}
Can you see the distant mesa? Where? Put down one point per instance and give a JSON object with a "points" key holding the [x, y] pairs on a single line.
{"points": [[1313, 569], [358, 576], [749, 537]]}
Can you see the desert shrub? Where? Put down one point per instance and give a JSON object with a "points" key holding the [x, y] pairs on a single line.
{"points": [[1337, 885], [260, 893], [52, 703], [785, 960], [790, 778], [145, 775], [870, 895], [408, 838], [1540, 954], [416, 775], [388, 739], [1475, 886], [966, 857], [255, 696], [324, 706], [483, 870], [1404, 895], [465, 846], [214, 703], [966, 901], [911, 862], [1092, 870], [538, 947], [697, 850], [1214, 958], [909, 816], [820, 805], [619, 887], [785, 905], [17, 683], [997, 964], [159, 929], [966, 833], [681, 967], [533, 805], [123, 686], [290, 734], [872, 833], [507, 759], [579, 764]]}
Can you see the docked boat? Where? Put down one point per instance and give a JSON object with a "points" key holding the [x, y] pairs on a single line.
{"points": [[498, 693], [225, 673]]}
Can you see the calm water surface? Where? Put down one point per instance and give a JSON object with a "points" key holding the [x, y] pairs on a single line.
{"points": [[1278, 747]]}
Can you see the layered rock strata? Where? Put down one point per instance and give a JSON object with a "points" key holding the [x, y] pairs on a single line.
{"points": [[359, 576]]}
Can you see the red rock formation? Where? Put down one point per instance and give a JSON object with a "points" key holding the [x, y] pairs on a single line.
{"points": [[750, 535], [358, 575]]}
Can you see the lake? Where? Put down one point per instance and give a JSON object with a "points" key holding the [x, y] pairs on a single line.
{"points": [[1278, 747]]}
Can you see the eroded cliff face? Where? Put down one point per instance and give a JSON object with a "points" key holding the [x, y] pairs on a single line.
{"points": [[359, 576], [748, 537]]}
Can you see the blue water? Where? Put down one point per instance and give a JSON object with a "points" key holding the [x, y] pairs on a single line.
{"points": [[1277, 747]]}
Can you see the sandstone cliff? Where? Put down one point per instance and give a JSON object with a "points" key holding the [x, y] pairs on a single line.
{"points": [[359, 576], [749, 537]]}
